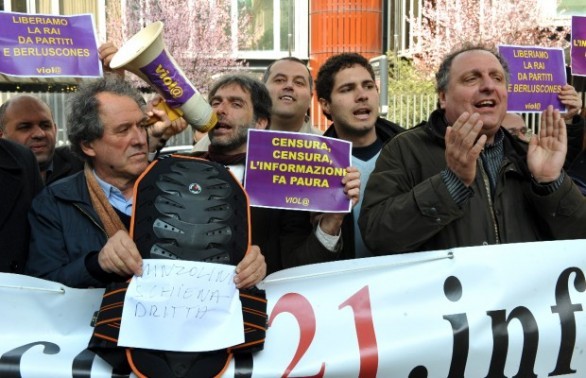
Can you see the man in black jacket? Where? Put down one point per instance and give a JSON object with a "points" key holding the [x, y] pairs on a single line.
{"points": [[348, 94], [19, 175], [461, 180], [27, 120]]}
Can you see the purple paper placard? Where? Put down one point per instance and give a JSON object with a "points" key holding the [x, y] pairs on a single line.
{"points": [[296, 171], [48, 46], [578, 51], [163, 73], [537, 76]]}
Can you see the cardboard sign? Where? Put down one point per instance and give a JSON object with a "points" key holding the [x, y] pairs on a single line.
{"points": [[296, 171], [537, 76], [578, 51], [48, 46]]}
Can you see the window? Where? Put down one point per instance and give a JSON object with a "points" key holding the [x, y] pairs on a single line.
{"points": [[268, 29], [572, 7]]}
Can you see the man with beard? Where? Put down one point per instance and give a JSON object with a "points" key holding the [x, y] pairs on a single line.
{"points": [[241, 103], [348, 94], [461, 180], [290, 87]]}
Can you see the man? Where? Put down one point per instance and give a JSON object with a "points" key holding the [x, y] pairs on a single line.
{"points": [[515, 124], [27, 120], [460, 180], [21, 181], [290, 86], [79, 235], [348, 94], [242, 103]]}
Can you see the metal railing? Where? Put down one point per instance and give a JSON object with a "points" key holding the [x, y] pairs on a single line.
{"points": [[405, 109]]}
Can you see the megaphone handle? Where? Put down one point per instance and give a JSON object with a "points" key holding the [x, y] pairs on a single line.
{"points": [[173, 114]]}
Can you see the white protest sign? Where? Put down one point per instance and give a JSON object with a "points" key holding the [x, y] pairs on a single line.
{"points": [[182, 306]]}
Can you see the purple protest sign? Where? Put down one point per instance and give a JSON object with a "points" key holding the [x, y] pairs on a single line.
{"points": [[578, 46], [48, 46], [537, 76], [296, 171]]}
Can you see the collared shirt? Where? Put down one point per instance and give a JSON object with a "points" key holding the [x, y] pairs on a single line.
{"points": [[115, 196]]}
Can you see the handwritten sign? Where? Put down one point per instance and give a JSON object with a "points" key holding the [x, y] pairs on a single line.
{"points": [[537, 76], [578, 52], [296, 171], [48, 46], [182, 306]]}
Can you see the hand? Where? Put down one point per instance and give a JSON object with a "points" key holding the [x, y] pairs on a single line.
{"points": [[120, 256], [331, 223], [163, 130], [463, 146], [106, 52], [573, 102], [351, 182], [547, 151], [251, 270]]}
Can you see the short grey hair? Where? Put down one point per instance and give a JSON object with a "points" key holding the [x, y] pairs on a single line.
{"points": [[83, 119]]}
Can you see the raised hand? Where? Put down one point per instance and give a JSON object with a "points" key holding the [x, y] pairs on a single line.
{"points": [[463, 146], [547, 150]]}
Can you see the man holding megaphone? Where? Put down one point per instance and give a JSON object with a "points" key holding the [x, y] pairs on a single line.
{"points": [[145, 55], [157, 137]]}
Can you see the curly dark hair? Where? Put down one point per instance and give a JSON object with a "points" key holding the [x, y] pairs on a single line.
{"points": [[261, 100], [324, 83], [83, 119]]}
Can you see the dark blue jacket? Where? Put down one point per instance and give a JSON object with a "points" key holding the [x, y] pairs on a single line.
{"points": [[65, 229], [20, 181]]}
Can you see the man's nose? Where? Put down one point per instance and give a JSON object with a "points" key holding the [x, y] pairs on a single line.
{"points": [[39, 132]]}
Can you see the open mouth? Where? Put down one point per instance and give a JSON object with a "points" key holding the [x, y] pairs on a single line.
{"points": [[485, 104], [287, 98], [362, 113], [222, 125]]}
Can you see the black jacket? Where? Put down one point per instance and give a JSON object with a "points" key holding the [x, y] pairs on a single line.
{"points": [[407, 206], [20, 181], [65, 163], [308, 250]]}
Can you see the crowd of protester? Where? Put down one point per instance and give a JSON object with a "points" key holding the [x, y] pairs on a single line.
{"points": [[469, 175]]}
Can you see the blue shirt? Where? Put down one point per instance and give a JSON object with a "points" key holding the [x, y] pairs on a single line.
{"points": [[115, 196]]}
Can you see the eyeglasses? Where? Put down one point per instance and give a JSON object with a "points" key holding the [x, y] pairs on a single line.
{"points": [[521, 131]]}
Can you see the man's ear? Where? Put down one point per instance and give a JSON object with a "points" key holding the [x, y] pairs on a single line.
{"points": [[261, 123], [88, 148], [442, 100], [325, 105]]}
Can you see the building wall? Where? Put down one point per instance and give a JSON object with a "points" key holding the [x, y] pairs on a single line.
{"points": [[342, 26]]}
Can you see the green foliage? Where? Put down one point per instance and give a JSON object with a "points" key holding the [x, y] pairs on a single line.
{"points": [[411, 93]]}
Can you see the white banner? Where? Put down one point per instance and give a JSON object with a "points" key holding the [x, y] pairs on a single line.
{"points": [[511, 310]]}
